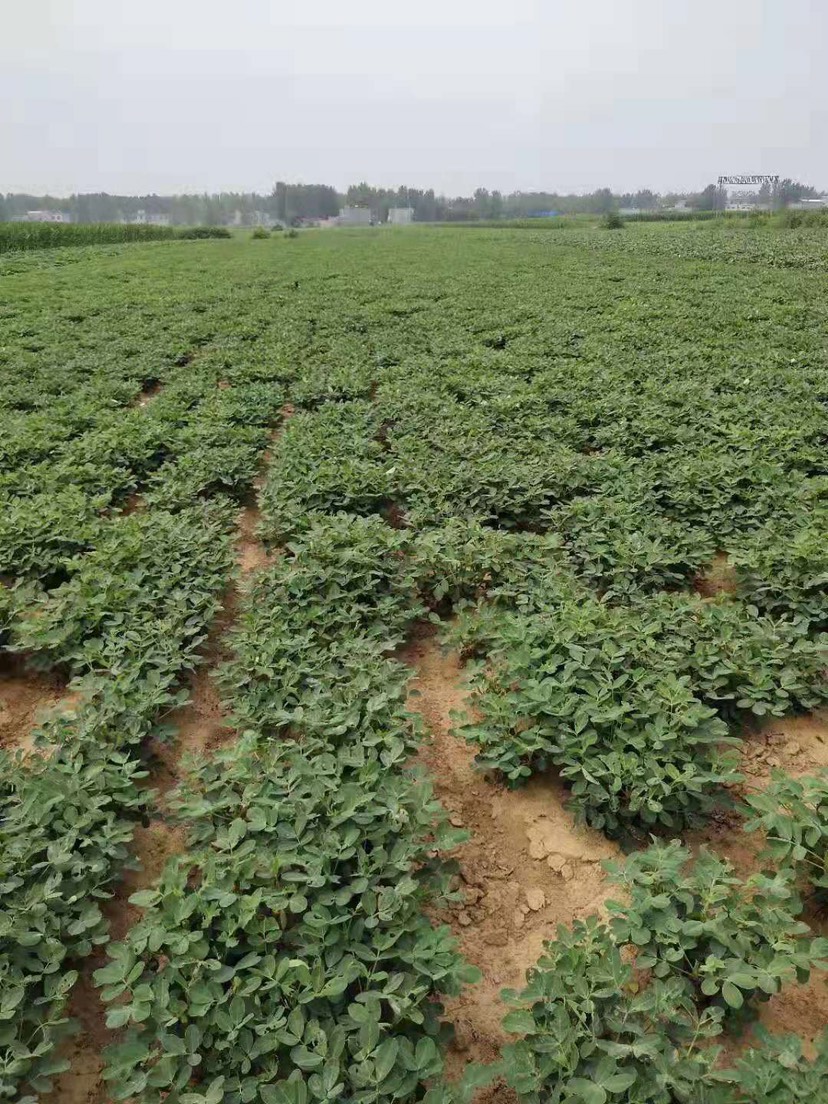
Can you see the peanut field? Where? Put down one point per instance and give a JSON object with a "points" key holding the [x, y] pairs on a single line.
{"points": [[413, 668]]}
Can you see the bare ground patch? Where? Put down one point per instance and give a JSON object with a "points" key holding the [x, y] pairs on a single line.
{"points": [[796, 744], [719, 577], [26, 698], [526, 867], [150, 389], [134, 503]]}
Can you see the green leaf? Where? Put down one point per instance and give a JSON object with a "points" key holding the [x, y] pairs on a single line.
{"points": [[385, 1057], [587, 1091], [732, 995], [520, 1021]]}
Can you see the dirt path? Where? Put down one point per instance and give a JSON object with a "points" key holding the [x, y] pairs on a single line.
{"points": [[525, 869]]}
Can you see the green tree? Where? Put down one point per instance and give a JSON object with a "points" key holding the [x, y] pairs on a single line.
{"points": [[280, 201], [791, 191], [602, 201], [645, 199], [710, 199]]}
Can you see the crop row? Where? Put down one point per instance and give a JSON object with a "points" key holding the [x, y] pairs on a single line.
{"points": [[286, 956], [17, 236], [627, 1009], [600, 658], [127, 627], [121, 485], [560, 468]]}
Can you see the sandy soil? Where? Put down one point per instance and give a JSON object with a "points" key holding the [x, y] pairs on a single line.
{"points": [[26, 698], [525, 869], [718, 578]]}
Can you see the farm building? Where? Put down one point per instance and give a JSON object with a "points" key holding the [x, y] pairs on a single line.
{"points": [[355, 216], [45, 216], [145, 219], [400, 216]]}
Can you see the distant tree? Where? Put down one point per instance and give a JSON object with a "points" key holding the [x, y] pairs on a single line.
{"points": [[481, 201], [645, 200], [4, 209], [280, 200], [602, 201], [213, 212], [791, 191], [711, 199]]}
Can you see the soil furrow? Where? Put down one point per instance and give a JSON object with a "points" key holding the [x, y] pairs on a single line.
{"points": [[525, 869], [200, 727]]}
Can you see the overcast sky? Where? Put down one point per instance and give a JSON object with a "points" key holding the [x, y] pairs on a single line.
{"points": [[133, 96]]}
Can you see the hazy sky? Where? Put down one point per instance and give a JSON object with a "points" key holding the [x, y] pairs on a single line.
{"points": [[135, 96]]}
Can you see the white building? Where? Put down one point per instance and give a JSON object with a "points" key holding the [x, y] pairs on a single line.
{"points": [[45, 216], [400, 216], [355, 216], [144, 219]]}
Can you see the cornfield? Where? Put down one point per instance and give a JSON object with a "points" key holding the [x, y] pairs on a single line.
{"points": [[47, 235]]}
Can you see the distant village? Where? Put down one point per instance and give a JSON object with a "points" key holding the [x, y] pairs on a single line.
{"points": [[348, 216], [364, 205]]}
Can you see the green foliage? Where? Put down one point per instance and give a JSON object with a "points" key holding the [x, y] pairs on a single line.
{"points": [[15, 236], [302, 953], [732, 943], [201, 232], [556, 434], [128, 624], [326, 462], [18, 236], [612, 221], [625, 1012], [67, 823], [592, 1035], [794, 220], [288, 951], [120, 601], [312, 644], [42, 533], [792, 814], [137, 606], [785, 572], [260, 233], [630, 701], [776, 1072]]}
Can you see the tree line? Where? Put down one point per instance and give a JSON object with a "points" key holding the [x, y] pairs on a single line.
{"points": [[290, 203]]}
